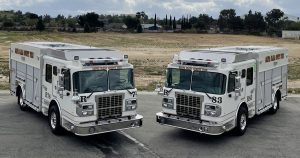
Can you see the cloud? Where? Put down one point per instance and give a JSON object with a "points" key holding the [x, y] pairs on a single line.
{"points": [[10, 4], [160, 7], [256, 3], [190, 6]]}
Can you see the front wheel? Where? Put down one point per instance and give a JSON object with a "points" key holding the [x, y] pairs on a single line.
{"points": [[21, 102], [54, 120], [242, 122]]}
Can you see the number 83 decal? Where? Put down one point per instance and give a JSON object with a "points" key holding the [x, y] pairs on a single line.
{"points": [[217, 100]]}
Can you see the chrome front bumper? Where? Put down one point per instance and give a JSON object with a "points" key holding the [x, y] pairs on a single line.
{"points": [[107, 126], [193, 125]]}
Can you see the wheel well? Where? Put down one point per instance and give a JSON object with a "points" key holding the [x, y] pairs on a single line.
{"points": [[278, 95], [18, 91], [53, 103], [244, 105]]}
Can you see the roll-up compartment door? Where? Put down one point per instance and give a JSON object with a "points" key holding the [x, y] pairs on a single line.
{"points": [[284, 80], [268, 88], [29, 84], [13, 75]]}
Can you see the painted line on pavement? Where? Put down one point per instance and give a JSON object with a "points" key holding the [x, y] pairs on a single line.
{"points": [[138, 143]]}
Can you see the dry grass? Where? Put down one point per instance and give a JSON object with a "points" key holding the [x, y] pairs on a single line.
{"points": [[151, 52]]}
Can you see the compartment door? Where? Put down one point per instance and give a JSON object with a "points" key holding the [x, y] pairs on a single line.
{"points": [[13, 70], [260, 91], [284, 80]]}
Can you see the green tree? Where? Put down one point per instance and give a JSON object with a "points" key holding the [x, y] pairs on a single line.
{"points": [[203, 22], [237, 24], [8, 24], [61, 21], [130, 22], [141, 16], [275, 21], [92, 19], [31, 19], [40, 26], [139, 28], [226, 19], [291, 25], [170, 22], [174, 23], [87, 28], [166, 20], [255, 23], [71, 23], [155, 23]]}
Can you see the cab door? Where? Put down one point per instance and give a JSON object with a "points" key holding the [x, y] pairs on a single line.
{"points": [[47, 82], [65, 95], [250, 88]]}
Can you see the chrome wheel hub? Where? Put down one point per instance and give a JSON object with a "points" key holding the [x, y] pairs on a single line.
{"points": [[21, 101], [243, 122], [275, 104], [53, 120]]}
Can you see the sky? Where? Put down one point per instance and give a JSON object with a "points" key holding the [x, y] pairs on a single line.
{"points": [[176, 8]]}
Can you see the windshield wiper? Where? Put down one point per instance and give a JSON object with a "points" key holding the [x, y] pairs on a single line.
{"points": [[206, 93], [168, 91], [93, 91], [129, 91]]}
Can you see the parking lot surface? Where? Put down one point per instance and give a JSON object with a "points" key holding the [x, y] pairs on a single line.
{"points": [[26, 134]]}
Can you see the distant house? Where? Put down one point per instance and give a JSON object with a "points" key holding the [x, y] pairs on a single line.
{"points": [[118, 27], [151, 27], [178, 26], [286, 34], [292, 18]]}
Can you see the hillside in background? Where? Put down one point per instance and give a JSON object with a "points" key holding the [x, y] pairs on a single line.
{"points": [[151, 52]]}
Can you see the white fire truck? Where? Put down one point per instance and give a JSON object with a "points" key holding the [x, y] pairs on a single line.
{"points": [[85, 90], [212, 91]]}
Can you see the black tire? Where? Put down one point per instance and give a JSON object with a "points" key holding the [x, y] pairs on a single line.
{"points": [[21, 103], [54, 120], [275, 106], [242, 122]]}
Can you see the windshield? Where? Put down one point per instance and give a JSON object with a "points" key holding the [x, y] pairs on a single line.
{"points": [[208, 82], [121, 79], [179, 79], [97, 81], [90, 81]]}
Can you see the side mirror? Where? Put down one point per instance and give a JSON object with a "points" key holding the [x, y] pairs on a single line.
{"points": [[237, 85], [61, 86], [75, 98], [159, 89], [61, 81]]}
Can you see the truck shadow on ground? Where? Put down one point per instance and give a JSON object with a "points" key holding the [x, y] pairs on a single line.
{"points": [[253, 123], [112, 144]]}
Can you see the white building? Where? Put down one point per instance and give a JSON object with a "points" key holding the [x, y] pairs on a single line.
{"points": [[287, 34]]}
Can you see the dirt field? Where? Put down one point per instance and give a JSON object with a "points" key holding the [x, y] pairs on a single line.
{"points": [[151, 52]]}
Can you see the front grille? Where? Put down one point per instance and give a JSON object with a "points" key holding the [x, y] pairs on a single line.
{"points": [[188, 106], [109, 106]]}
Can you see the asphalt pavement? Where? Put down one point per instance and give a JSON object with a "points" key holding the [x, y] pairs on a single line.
{"points": [[27, 135]]}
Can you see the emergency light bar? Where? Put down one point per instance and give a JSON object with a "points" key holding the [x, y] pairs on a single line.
{"points": [[195, 62], [107, 61]]}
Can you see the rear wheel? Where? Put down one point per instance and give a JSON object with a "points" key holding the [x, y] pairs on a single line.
{"points": [[54, 120], [242, 122], [21, 103], [275, 106]]}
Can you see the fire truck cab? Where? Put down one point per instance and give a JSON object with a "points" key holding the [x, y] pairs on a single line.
{"points": [[212, 91]]}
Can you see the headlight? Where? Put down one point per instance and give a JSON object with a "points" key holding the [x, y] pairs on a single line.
{"points": [[85, 110], [168, 103], [130, 104], [212, 110]]}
